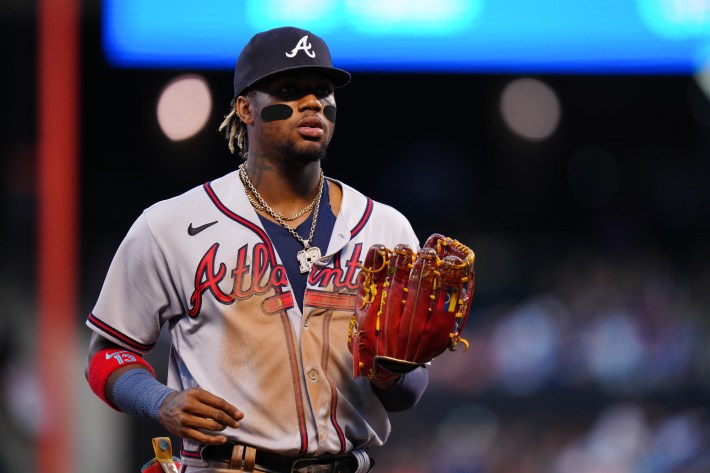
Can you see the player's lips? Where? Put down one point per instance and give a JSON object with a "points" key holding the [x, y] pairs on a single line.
{"points": [[310, 127]]}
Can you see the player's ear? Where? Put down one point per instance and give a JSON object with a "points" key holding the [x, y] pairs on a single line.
{"points": [[243, 109]]}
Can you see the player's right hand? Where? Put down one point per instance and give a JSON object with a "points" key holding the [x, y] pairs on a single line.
{"points": [[189, 413]]}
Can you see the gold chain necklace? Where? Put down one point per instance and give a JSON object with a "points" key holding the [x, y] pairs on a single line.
{"points": [[309, 254], [258, 206]]}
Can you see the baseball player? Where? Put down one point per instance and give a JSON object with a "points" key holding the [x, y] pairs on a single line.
{"points": [[255, 274]]}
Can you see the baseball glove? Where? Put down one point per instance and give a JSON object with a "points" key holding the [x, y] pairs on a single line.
{"points": [[410, 307]]}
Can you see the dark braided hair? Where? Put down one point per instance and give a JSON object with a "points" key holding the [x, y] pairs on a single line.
{"points": [[235, 129]]}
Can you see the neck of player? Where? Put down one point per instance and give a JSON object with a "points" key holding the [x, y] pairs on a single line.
{"points": [[286, 189]]}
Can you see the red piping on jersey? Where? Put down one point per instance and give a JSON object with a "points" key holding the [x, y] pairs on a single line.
{"points": [[334, 392], [137, 346], [363, 220], [277, 303], [329, 300], [284, 316], [296, 378], [251, 226], [189, 454]]}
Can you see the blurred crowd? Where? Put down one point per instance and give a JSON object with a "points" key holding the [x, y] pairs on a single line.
{"points": [[622, 438], [601, 368]]}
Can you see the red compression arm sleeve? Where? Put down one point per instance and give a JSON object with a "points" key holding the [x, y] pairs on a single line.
{"points": [[105, 362]]}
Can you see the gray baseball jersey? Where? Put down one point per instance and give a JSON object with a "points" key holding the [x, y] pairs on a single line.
{"points": [[203, 263]]}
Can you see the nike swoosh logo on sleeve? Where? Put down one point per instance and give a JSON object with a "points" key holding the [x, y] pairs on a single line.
{"points": [[192, 231]]}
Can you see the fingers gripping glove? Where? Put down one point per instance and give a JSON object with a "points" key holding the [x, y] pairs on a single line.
{"points": [[410, 307]]}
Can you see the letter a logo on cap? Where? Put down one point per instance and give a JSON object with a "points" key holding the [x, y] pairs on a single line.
{"points": [[303, 45]]}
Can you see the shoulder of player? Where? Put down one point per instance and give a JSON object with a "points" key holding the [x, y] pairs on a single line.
{"points": [[194, 204], [177, 204]]}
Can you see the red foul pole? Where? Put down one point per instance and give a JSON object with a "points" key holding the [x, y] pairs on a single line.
{"points": [[57, 223]]}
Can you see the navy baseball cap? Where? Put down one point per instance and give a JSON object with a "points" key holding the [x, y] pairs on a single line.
{"points": [[284, 49]]}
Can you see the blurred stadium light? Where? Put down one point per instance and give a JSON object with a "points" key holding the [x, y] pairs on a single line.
{"points": [[588, 36], [184, 107]]}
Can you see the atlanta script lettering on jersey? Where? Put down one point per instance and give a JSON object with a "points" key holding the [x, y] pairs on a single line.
{"points": [[261, 276]]}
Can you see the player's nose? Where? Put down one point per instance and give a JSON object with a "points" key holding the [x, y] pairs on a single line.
{"points": [[310, 101]]}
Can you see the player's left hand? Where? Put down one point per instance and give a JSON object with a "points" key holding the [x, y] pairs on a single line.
{"points": [[410, 307], [189, 413]]}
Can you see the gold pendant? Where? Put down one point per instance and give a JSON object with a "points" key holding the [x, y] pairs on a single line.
{"points": [[306, 257]]}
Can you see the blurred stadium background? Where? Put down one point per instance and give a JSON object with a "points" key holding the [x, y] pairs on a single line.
{"points": [[583, 187]]}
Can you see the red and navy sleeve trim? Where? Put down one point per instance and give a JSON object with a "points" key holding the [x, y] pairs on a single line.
{"points": [[125, 339], [363, 220]]}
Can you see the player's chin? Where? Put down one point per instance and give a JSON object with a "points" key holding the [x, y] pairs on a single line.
{"points": [[308, 152]]}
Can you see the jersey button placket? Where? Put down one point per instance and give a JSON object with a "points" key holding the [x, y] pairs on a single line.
{"points": [[313, 375]]}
